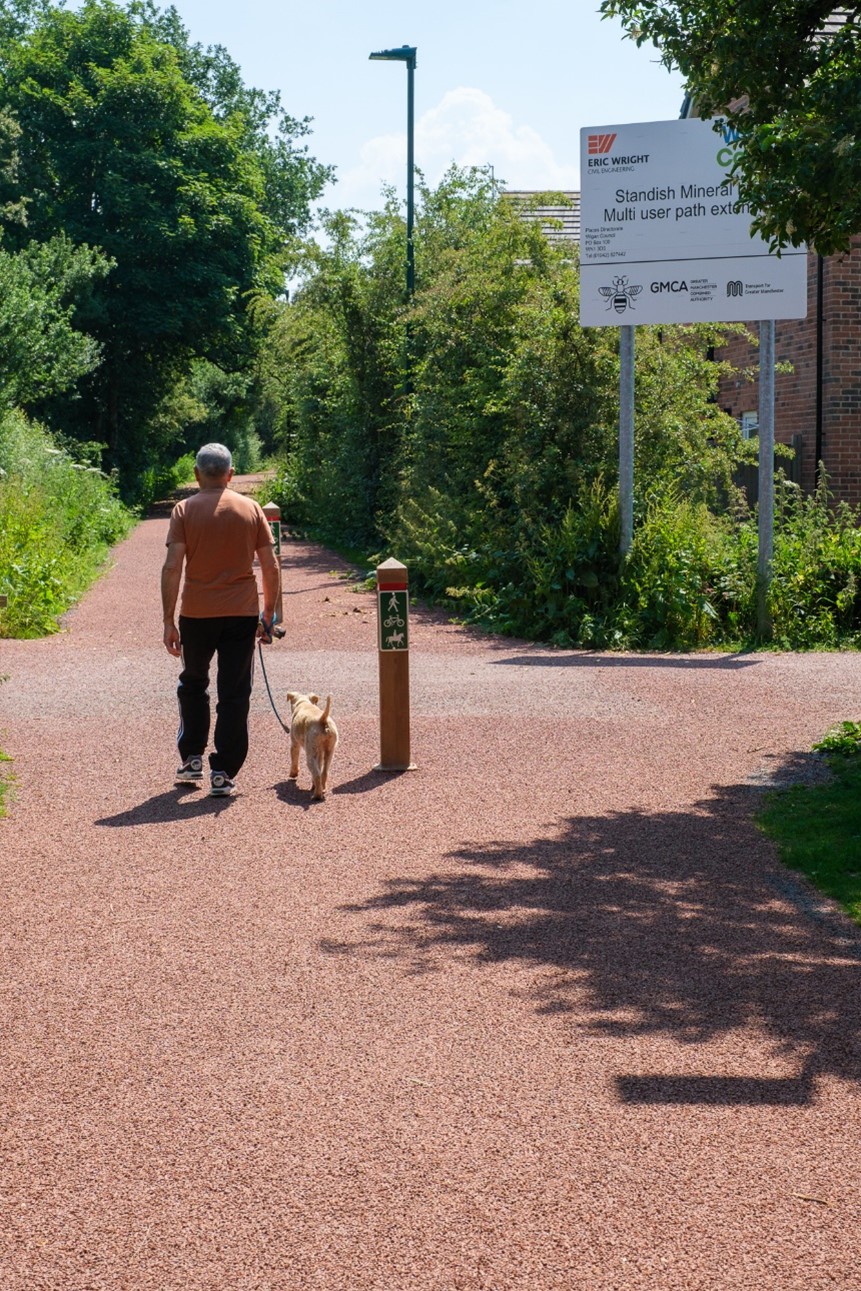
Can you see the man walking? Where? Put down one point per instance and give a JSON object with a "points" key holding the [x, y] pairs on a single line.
{"points": [[215, 534]]}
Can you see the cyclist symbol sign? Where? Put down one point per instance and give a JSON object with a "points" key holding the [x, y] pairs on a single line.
{"points": [[392, 616]]}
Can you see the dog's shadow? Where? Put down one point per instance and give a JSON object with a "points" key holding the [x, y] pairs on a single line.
{"points": [[292, 792], [296, 795]]}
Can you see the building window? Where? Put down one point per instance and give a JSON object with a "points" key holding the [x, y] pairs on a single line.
{"points": [[749, 424]]}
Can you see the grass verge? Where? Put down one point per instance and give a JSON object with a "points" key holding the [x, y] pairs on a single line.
{"points": [[5, 781], [818, 828]]}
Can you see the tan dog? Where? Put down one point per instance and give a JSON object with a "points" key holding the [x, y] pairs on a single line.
{"points": [[312, 729]]}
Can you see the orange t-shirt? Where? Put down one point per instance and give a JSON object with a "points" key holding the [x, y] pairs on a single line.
{"points": [[222, 531]]}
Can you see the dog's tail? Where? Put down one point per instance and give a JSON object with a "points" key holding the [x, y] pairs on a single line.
{"points": [[324, 716]]}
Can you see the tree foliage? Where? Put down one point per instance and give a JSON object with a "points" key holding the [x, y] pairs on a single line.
{"points": [[292, 178], [473, 432], [789, 86], [43, 353], [133, 141]]}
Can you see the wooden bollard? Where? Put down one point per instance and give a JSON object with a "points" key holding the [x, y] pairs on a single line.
{"points": [[393, 640], [272, 513]]}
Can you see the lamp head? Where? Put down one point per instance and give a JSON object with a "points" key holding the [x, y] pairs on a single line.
{"points": [[404, 54]]}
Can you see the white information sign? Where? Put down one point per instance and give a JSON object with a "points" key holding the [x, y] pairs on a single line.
{"points": [[665, 238]]}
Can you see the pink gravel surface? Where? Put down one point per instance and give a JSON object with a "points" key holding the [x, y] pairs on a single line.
{"points": [[544, 1013]]}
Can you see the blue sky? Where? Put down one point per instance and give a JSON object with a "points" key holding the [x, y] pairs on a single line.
{"points": [[504, 83]]}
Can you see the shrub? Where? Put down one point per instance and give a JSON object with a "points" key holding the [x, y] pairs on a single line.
{"points": [[670, 586], [472, 433], [158, 482], [58, 517], [689, 582], [285, 490], [814, 598]]}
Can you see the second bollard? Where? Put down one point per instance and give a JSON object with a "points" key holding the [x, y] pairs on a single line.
{"points": [[272, 513]]}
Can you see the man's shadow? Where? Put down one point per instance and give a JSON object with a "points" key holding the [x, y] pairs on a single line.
{"points": [[165, 808], [186, 801]]}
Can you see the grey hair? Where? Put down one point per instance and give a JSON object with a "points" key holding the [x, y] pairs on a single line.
{"points": [[213, 461]]}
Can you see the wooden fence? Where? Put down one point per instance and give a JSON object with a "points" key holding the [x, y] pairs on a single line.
{"points": [[747, 477]]}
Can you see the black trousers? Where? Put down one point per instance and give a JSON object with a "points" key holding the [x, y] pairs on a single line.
{"points": [[232, 640]]}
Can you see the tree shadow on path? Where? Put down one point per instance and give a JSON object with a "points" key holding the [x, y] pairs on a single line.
{"points": [[583, 659], [675, 923]]}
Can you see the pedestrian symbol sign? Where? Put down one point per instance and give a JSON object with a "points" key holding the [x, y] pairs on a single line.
{"points": [[392, 616]]}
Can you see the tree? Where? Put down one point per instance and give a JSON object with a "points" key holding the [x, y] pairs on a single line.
{"points": [[331, 376], [292, 178], [13, 208], [121, 150], [42, 352], [492, 473], [785, 75]]}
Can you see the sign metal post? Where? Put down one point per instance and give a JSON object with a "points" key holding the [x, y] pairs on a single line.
{"points": [[765, 501], [626, 438]]}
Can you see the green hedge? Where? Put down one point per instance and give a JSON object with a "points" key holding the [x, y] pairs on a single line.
{"points": [[58, 518]]}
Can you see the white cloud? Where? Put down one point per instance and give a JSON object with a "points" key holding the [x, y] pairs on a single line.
{"points": [[465, 127]]}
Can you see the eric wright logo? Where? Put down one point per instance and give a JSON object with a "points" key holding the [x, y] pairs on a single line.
{"points": [[598, 144], [620, 296], [599, 148]]}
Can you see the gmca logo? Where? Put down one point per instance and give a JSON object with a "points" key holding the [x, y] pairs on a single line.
{"points": [[620, 296], [598, 144]]}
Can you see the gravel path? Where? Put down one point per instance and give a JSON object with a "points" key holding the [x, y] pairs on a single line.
{"points": [[544, 1014]]}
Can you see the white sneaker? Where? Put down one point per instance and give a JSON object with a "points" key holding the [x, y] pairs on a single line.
{"points": [[190, 772], [220, 785]]}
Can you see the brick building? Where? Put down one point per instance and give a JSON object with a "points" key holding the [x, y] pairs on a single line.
{"points": [[817, 406]]}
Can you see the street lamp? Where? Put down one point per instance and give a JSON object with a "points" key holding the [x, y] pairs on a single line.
{"points": [[406, 54]]}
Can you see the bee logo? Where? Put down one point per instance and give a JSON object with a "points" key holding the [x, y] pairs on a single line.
{"points": [[620, 296]]}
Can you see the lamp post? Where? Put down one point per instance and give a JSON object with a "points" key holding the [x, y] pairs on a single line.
{"points": [[406, 54]]}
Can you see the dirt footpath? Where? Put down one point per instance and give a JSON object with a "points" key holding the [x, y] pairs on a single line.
{"points": [[544, 1014]]}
